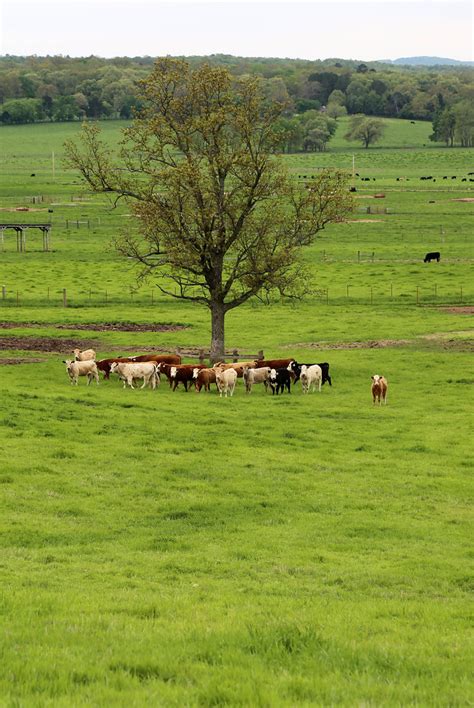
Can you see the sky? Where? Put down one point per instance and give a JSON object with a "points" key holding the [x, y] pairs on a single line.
{"points": [[306, 29]]}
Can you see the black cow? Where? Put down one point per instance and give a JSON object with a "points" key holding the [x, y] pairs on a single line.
{"points": [[432, 256], [279, 380], [295, 368]]}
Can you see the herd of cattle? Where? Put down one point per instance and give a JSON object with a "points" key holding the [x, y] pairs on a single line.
{"points": [[275, 374]]}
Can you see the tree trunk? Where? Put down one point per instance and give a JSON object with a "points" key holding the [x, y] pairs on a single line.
{"points": [[217, 335]]}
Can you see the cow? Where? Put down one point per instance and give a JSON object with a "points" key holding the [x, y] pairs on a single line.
{"points": [[159, 358], [130, 371], [273, 363], [105, 364], [204, 377], [379, 389], [238, 366], [225, 380], [255, 376], [85, 355], [295, 368], [279, 380], [310, 376], [81, 368], [432, 256], [182, 373]]}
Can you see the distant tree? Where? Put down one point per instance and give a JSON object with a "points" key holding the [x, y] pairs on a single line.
{"points": [[464, 128], [444, 126], [220, 221], [21, 110], [366, 130]]}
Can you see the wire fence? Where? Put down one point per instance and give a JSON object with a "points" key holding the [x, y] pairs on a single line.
{"points": [[347, 295]]}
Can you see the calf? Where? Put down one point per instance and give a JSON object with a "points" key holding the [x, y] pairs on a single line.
{"points": [[379, 389], [105, 364], [255, 376], [310, 376], [204, 377], [225, 380], [295, 368], [432, 256], [129, 372], [85, 355], [279, 380], [81, 368]]}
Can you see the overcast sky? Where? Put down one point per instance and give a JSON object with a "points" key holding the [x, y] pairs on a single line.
{"points": [[308, 29]]}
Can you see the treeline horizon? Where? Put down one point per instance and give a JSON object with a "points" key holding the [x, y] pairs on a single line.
{"points": [[60, 88]]}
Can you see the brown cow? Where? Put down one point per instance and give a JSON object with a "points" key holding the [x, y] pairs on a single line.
{"points": [[238, 366], [179, 374], [379, 389], [274, 363], [165, 358], [204, 377]]}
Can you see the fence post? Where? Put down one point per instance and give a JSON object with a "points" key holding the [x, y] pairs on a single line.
{"points": [[235, 355], [461, 293], [373, 256], [4, 292], [417, 295], [358, 256], [391, 291], [201, 356], [17, 298], [64, 297], [371, 295], [260, 355]]}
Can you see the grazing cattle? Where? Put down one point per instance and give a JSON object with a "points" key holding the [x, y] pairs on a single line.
{"points": [[85, 355], [81, 368], [182, 373], [432, 256], [379, 389], [255, 376], [204, 377], [105, 364], [295, 368], [129, 372], [310, 376], [159, 358], [225, 380], [238, 366], [279, 380]]}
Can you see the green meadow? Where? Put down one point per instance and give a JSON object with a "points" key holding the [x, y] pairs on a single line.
{"points": [[176, 549]]}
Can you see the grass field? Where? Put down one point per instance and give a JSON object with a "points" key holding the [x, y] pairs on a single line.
{"points": [[179, 549]]}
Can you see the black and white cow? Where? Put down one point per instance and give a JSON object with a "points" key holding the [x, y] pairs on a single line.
{"points": [[279, 380], [295, 368]]}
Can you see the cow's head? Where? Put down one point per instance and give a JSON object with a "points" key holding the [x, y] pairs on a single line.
{"points": [[376, 378], [273, 374], [195, 373], [113, 366], [76, 352], [68, 363], [173, 371]]}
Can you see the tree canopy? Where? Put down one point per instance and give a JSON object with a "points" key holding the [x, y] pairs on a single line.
{"points": [[220, 221]]}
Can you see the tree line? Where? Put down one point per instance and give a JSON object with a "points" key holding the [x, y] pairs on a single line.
{"points": [[315, 93]]}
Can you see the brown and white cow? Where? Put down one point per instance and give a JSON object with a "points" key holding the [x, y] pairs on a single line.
{"points": [[204, 378], [182, 373], [379, 389], [105, 364]]}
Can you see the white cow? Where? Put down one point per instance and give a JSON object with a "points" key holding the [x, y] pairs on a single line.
{"points": [[84, 355], [81, 368], [310, 376], [254, 376], [131, 371], [225, 380]]}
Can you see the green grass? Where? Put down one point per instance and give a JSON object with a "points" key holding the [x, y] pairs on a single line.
{"points": [[181, 549]]}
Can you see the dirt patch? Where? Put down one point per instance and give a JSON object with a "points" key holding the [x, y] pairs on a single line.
{"points": [[21, 361], [102, 327], [45, 344], [466, 310], [365, 221], [463, 199], [430, 340]]}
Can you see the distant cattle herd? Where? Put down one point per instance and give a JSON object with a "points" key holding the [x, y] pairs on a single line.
{"points": [[276, 375]]}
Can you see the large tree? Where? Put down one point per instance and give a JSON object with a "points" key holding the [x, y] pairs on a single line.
{"points": [[219, 219], [364, 129]]}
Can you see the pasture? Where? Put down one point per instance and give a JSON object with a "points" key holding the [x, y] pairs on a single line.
{"points": [[180, 549]]}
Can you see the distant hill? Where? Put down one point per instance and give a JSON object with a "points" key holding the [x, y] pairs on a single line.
{"points": [[427, 61]]}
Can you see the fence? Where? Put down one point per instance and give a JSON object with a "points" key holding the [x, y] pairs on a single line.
{"points": [[348, 294]]}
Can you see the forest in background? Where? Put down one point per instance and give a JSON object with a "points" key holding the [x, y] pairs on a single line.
{"points": [[315, 93]]}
